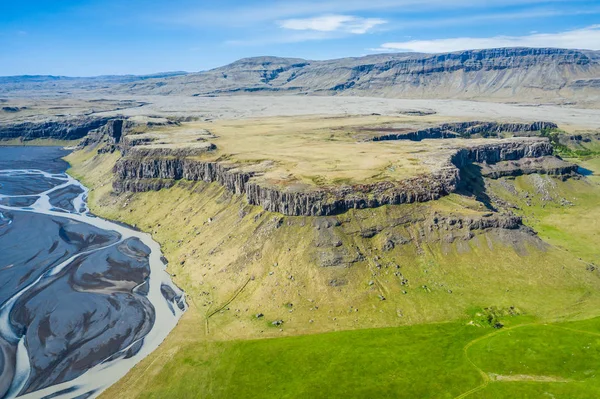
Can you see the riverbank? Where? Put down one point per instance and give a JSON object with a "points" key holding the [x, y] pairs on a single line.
{"points": [[81, 293]]}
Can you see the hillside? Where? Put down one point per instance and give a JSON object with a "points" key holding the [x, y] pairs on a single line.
{"points": [[507, 74], [366, 286], [427, 292]]}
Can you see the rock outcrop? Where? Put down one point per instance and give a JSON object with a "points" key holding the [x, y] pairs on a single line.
{"points": [[63, 129], [188, 150], [110, 134], [546, 165], [508, 150], [141, 174], [463, 129]]}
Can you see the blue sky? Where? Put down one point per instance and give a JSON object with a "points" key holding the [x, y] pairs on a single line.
{"points": [[93, 37]]}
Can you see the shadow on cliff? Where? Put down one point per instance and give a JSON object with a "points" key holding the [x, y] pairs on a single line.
{"points": [[472, 184]]}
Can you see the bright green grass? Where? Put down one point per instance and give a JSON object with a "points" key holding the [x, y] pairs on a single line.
{"points": [[539, 350], [425, 361], [538, 390], [571, 228], [537, 361], [449, 360]]}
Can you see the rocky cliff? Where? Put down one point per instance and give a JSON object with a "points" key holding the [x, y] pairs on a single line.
{"points": [[510, 150], [59, 129], [463, 129], [546, 165], [151, 173], [110, 133], [131, 173]]}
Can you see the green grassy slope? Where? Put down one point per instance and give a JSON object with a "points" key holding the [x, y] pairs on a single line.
{"points": [[235, 261]]}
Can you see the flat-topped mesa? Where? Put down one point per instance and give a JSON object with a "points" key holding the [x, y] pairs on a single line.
{"points": [[145, 174], [336, 200], [462, 129], [152, 173], [512, 159]]}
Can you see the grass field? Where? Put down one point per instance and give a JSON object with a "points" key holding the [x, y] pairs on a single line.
{"points": [[314, 150], [431, 338], [450, 360]]}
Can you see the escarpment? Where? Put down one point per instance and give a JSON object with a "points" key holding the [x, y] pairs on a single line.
{"points": [[110, 133], [489, 73], [143, 173], [91, 130], [546, 165], [60, 129], [131, 173], [507, 150], [463, 129]]}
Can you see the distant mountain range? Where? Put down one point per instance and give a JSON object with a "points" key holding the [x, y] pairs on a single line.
{"points": [[506, 74], [62, 83]]}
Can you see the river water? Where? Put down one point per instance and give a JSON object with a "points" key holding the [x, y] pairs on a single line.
{"points": [[82, 299]]}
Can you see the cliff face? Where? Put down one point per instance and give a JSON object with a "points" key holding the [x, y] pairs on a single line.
{"points": [[110, 133], [465, 129], [543, 165], [508, 151], [66, 129], [140, 174], [150, 173]]}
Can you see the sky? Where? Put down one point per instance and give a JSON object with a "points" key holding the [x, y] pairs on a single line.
{"points": [[105, 37]]}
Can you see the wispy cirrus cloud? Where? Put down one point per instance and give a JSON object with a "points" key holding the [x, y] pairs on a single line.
{"points": [[584, 38], [333, 23], [248, 14], [294, 37], [478, 19], [323, 27]]}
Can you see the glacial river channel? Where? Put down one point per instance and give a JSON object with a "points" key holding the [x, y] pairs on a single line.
{"points": [[82, 299]]}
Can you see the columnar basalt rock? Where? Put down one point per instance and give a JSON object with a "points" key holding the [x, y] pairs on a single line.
{"points": [[546, 165], [509, 150], [62, 129], [150, 173], [465, 129]]}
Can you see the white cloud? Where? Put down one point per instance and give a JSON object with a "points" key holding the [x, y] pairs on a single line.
{"points": [[585, 38], [250, 13], [333, 23], [295, 37]]}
